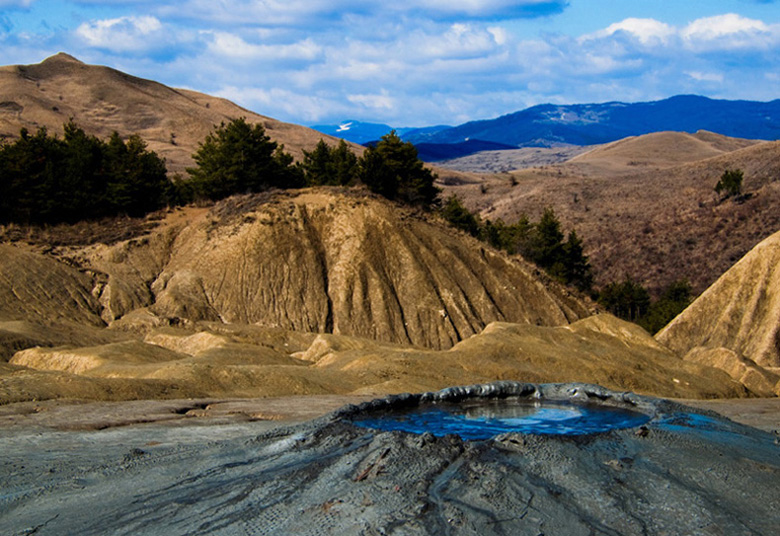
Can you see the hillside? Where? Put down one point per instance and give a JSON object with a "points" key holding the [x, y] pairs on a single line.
{"points": [[645, 207], [102, 100], [735, 324], [310, 292], [314, 260], [548, 125]]}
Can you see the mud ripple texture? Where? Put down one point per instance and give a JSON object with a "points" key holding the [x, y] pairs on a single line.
{"points": [[685, 472]]}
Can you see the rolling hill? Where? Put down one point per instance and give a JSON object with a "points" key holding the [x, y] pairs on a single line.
{"points": [[645, 206], [102, 100]]}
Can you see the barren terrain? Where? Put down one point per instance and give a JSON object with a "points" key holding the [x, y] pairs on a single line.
{"points": [[645, 207]]}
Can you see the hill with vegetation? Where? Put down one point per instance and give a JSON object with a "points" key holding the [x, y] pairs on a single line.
{"points": [[102, 100], [646, 208]]}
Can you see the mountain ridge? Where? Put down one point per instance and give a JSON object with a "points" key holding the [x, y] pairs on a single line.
{"points": [[102, 100]]}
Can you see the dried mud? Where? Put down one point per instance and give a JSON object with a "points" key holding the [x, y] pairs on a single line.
{"points": [[687, 472]]}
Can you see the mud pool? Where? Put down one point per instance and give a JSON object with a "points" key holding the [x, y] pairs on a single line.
{"points": [[485, 419], [684, 471]]}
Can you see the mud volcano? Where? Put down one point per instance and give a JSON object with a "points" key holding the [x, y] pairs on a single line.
{"points": [[683, 471], [490, 412]]}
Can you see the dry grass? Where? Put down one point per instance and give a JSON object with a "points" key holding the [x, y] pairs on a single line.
{"points": [[656, 222]]}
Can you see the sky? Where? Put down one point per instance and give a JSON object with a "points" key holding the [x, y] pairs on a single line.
{"points": [[413, 63]]}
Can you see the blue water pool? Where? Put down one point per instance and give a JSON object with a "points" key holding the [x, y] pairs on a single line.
{"points": [[483, 419]]}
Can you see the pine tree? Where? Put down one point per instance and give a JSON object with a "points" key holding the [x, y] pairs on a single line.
{"points": [[392, 169], [240, 158]]}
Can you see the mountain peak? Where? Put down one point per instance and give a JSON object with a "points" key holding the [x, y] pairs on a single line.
{"points": [[62, 57]]}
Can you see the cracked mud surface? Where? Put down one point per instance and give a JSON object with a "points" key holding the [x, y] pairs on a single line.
{"points": [[689, 472]]}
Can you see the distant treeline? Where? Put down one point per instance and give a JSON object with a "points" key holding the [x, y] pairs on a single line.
{"points": [[47, 179], [543, 243]]}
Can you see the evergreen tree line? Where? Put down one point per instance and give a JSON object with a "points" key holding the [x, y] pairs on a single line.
{"points": [[543, 243], [631, 301], [240, 158], [48, 179]]}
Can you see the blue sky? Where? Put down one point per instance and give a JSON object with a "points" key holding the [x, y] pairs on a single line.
{"points": [[413, 63]]}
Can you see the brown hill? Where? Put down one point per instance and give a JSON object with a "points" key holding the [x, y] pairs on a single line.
{"points": [[313, 260], [102, 100], [735, 324], [641, 217], [659, 150]]}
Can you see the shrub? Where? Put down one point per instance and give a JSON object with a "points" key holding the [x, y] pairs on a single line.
{"points": [[730, 183]]}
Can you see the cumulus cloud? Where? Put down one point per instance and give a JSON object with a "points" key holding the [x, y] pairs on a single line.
{"points": [[123, 34], [233, 46], [646, 31], [730, 31]]}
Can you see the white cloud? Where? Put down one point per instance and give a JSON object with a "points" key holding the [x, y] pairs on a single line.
{"points": [[705, 77], [380, 101], [730, 31], [460, 40], [646, 31], [123, 34], [233, 46]]}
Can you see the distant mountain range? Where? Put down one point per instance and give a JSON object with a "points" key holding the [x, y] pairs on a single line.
{"points": [[365, 133], [549, 125]]}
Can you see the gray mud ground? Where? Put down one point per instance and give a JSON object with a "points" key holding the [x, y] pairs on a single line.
{"points": [[689, 472]]}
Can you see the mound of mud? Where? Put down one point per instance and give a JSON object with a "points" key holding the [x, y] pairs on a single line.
{"points": [[684, 472], [735, 324]]}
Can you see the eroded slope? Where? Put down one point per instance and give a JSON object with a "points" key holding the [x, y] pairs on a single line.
{"points": [[735, 324]]}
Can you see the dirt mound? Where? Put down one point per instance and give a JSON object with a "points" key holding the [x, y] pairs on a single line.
{"points": [[737, 320], [102, 100], [220, 360], [325, 261], [38, 288]]}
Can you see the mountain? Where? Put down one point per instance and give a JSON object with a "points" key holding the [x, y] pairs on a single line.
{"points": [[102, 100], [355, 131], [549, 125], [735, 324], [363, 133]]}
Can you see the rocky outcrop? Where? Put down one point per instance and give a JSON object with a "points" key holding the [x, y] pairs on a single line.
{"points": [[327, 262]]}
